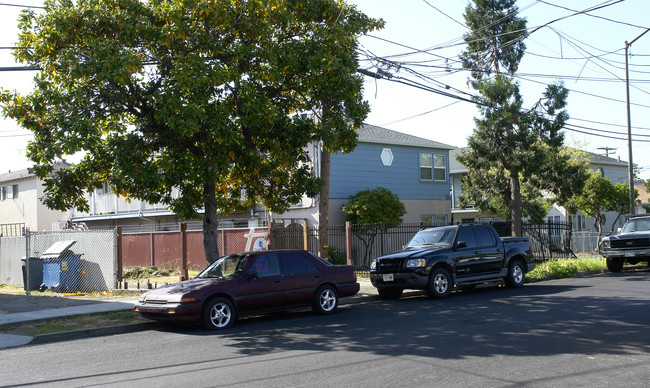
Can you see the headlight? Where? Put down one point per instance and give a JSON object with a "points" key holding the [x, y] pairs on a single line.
{"points": [[373, 265], [416, 263], [606, 244]]}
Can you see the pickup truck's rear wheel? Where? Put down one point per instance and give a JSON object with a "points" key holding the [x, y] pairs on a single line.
{"points": [[390, 293], [614, 265], [516, 274], [439, 285]]}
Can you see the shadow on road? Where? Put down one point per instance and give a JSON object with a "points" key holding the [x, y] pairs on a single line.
{"points": [[537, 320]]}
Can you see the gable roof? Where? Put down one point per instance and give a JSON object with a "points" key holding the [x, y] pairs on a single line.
{"points": [[592, 158], [378, 135], [16, 175], [27, 173]]}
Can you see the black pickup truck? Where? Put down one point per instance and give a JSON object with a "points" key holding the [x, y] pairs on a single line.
{"points": [[631, 244], [437, 259]]}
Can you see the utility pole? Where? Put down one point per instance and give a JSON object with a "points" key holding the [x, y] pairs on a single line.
{"points": [[629, 124], [607, 150]]}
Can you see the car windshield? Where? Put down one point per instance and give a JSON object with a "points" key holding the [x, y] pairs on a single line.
{"points": [[227, 267], [636, 225], [440, 237]]}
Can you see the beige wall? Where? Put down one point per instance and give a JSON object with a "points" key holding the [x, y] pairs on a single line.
{"points": [[414, 209], [28, 208]]}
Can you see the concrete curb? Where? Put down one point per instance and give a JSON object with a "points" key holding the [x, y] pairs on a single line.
{"points": [[127, 328], [96, 332]]}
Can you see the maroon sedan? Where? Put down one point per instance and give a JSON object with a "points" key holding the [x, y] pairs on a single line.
{"points": [[251, 282]]}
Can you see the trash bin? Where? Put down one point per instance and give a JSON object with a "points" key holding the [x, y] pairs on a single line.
{"points": [[61, 267], [35, 273]]}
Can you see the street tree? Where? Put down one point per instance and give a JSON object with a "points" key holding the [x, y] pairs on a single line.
{"points": [[512, 150], [191, 103], [370, 212], [599, 196]]}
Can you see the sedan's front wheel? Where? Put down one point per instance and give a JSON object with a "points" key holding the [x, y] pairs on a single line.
{"points": [[325, 300], [218, 314]]}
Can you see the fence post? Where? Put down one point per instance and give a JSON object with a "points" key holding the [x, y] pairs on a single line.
{"points": [[27, 273], [183, 229], [348, 242], [119, 254], [305, 237], [269, 230]]}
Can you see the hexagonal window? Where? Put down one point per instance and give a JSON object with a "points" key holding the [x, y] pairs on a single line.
{"points": [[386, 157]]}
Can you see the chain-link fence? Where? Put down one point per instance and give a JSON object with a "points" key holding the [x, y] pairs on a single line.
{"points": [[62, 261]]}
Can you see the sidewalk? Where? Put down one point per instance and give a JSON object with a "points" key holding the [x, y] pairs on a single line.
{"points": [[16, 309]]}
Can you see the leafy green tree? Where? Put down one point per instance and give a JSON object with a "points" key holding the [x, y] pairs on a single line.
{"points": [[190, 103], [513, 151], [598, 196], [371, 211]]}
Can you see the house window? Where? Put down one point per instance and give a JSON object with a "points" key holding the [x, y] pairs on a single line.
{"points": [[433, 167], [578, 222], [13, 192], [3, 193], [554, 225], [433, 219]]}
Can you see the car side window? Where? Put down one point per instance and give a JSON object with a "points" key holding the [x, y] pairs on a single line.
{"points": [[296, 263], [467, 235], [484, 237], [267, 265]]}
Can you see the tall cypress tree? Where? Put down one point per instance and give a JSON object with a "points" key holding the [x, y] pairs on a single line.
{"points": [[514, 155]]}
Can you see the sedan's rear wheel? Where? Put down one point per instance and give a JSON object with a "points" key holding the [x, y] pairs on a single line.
{"points": [[218, 314], [439, 285], [325, 300]]}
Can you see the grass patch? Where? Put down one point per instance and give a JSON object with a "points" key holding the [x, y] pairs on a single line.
{"points": [[565, 268], [88, 321]]}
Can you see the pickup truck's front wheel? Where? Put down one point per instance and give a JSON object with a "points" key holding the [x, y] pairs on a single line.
{"points": [[516, 274], [439, 285], [615, 264]]}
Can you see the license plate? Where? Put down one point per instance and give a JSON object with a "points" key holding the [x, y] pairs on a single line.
{"points": [[629, 254], [388, 277]]}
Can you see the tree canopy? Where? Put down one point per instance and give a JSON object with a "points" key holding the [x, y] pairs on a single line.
{"points": [[514, 157], [375, 206], [371, 211], [192, 103], [598, 196]]}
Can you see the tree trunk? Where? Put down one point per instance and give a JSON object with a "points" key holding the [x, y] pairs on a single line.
{"points": [[210, 231], [324, 205], [515, 209]]}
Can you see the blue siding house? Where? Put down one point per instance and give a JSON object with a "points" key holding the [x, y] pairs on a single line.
{"points": [[415, 169]]}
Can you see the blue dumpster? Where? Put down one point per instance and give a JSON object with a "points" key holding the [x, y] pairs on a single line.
{"points": [[61, 267]]}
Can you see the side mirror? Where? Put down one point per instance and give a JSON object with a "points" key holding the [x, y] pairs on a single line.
{"points": [[252, 274], [461, 244], [619, 230]]}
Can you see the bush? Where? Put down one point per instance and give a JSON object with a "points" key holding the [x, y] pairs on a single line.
{"points": [[565, 268], [148, 272]]}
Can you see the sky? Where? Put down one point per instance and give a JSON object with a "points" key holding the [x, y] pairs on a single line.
{"points": [[419, 49]]}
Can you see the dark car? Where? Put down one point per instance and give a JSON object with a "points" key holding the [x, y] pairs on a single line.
{"points": [[251, 282], [631, 244], [437, 259]]}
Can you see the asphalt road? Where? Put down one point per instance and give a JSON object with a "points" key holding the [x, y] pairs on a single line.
{"points": [[591, 331]]}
